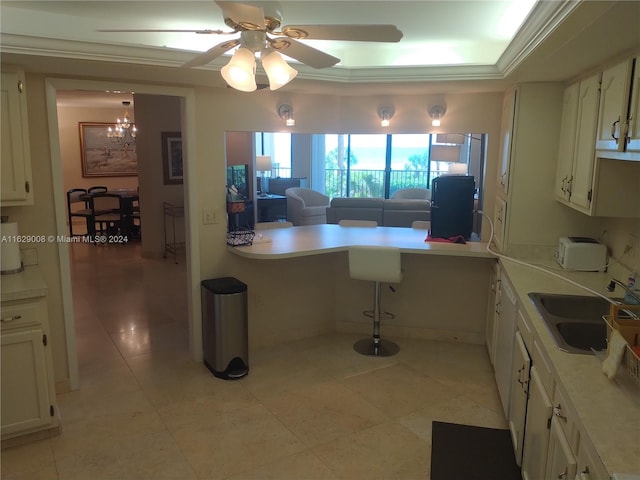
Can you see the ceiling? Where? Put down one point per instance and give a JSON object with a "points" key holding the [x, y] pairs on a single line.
{"points": [[452, 42]]}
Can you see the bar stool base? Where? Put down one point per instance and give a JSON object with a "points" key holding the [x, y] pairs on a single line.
{"points": [[384, 348]]}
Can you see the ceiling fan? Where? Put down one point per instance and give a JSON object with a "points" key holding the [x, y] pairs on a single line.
{"points": [[259, 26]]}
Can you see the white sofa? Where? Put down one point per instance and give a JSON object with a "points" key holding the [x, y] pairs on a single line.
{"points": [[305, 206], [392, 212]]}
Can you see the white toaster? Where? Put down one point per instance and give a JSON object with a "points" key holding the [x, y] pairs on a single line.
{"points": [[582, 254]]}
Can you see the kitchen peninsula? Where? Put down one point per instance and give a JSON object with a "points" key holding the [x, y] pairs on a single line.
{"points": [[299, 284], [328, 238]]}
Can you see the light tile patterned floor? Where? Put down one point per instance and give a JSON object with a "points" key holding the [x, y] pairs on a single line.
{"points": [[310, 409]]}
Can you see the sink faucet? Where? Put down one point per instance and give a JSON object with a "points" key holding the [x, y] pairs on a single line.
{"points": [[612, 286]]}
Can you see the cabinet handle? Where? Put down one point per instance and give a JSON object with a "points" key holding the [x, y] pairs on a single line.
{"points": [[613, 129], [563, 474], [11, 319], [563, 188], [557, 411], [569, 184]]}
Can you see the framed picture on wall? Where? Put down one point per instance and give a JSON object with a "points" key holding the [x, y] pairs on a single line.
{"points": [[172, 157], [102, 156]]}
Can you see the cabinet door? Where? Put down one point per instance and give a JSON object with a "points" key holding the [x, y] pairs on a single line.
{"points": [[581, 182], [634, 110], [492, 312], [505, 332], [567, 141], [519, 394], [506, 130], [25, 390], [15, 161], [590, 466], [499, 223], [561, 463], [536, 438], [612, 116]]}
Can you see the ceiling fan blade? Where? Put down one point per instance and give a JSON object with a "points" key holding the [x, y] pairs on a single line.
{"points": [[212, 53], [304, 53], [156, 30], [242, 15], [356, 33]]}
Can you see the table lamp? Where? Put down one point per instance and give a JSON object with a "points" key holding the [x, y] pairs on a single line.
{"points": [[263, 164]]}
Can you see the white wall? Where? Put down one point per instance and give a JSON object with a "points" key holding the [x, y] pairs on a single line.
{"points": [[156, 114]]}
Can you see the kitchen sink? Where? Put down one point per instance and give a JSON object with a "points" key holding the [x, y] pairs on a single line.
{"points": [[575, 321]]}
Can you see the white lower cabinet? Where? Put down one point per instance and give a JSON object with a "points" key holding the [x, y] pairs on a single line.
{"points": [[519, 394], [536, 439], [28, 391], [590, 466], [561, 463]]}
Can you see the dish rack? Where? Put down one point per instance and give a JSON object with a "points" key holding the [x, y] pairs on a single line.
{"points": [[620, 319]]}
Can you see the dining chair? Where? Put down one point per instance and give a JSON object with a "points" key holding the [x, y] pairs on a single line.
{"points": [[358, 223], [106, 212], [77, 207], [97, 188]]}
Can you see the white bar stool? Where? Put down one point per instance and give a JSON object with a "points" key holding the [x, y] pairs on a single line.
{"points": [[376, 264]]}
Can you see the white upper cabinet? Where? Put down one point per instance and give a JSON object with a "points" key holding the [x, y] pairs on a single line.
{"points": [[633, 134], [567, 141], [581, 182], [613, 116], [506, 132], [16, 159], [592, 175]]}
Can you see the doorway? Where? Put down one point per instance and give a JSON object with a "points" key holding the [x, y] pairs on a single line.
{"points": [[191, 262]]}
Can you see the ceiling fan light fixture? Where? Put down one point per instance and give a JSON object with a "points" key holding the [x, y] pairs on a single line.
{"points": [[279, 72], [436, 112], [240, 72]]}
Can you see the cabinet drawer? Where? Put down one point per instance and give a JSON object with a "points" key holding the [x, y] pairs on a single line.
{"points": [[18, 315], [544, 370]]}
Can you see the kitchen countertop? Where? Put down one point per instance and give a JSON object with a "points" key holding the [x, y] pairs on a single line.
{"points": [[607, 413], [23, 285], [309, 240]]}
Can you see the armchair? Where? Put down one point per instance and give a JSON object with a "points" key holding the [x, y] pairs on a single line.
{"points": [[305, 206]]}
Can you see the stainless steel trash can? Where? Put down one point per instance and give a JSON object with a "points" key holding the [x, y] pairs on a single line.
{"points": [[225, 327]]}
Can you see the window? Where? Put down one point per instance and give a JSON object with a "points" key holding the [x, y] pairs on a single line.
{"points": [[278, 146], [378, 165]]}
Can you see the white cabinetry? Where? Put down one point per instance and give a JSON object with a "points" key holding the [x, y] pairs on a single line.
{"points": [[28, 391], [576, 154], [492, 312], [521, 212], [505, 328], [519, 394], [613, 117], [506, 132], [590, 466], [15, 159], [536, 439], [561, 463], [633, 134], [595, 172]]}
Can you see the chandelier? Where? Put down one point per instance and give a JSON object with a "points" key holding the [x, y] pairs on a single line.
{"points": [[123, 132]]}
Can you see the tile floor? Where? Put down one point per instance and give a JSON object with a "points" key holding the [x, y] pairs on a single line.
{"points": [[310, 409]]}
